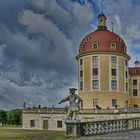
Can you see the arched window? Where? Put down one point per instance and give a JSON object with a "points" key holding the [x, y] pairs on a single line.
{"points": [[95, 45], [113, 46]]}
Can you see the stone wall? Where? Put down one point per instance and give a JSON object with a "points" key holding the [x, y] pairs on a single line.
{"points": [[39, 116], [102, 117], [52, 116]]}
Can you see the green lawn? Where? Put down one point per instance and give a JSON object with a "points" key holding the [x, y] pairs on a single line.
{"points": [[11, 126], [14, 134]]}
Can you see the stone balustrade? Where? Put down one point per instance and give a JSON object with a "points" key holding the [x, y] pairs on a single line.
{"points": [[76, 129]]}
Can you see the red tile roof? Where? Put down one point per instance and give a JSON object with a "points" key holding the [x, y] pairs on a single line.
{"points": [[134, 71], [103, 38]]}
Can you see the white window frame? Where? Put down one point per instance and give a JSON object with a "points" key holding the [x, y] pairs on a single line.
{"points": [[32, 123], [95, 84], [113, 71], [113, 59], [133, 92], [95, 43], [87, 39], [114, 85], [94, 74], [113, 46], [114, 102], [95, 59], [59, 124]]}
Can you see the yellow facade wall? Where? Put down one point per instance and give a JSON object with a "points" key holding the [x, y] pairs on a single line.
{"points": [[105, 99], [104, 95], [121, 74], [104, 73], [87, 73]]}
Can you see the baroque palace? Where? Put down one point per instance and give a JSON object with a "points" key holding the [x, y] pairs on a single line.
{"points": [[107, 86], [105, 80]]}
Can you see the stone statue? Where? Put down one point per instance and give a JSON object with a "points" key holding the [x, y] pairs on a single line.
{"points": [[74, 101]]}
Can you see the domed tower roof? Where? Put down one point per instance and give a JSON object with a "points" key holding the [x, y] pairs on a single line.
{"points": [[102, 40]]}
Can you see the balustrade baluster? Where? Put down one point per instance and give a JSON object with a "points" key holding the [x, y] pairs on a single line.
{"points": [[100, 127]]}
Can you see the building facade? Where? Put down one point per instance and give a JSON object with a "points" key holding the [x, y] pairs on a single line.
{"points": [[104, 78], [44, 119], [135, 85], [105, 83]]}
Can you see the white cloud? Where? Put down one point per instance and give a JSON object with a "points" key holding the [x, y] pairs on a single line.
{"points": [[37, 23], [38, 64], [70, 17]]}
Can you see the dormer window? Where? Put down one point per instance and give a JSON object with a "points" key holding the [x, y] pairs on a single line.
{"points": [[125, 50], [95, 45], [87, 39], [119, 39], [134, 71], [81, 48], [113, 46]]}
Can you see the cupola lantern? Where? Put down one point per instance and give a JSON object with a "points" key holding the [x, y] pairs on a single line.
{"points": [[102, 22]]}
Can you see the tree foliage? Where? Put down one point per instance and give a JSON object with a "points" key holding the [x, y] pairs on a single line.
{"points": [[3, 117], [14, 117]]}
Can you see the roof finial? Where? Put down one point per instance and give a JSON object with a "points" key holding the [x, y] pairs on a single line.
{"points": [[102, 7], [137, 63], [112, 23]]}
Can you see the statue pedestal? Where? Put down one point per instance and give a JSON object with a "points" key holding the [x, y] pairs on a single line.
{"points": [[73, 128]]}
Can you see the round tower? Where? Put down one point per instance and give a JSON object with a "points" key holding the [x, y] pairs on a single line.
{"points": [[103, 78]]}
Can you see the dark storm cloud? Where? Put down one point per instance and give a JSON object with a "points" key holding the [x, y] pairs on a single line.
{"points": [[38, 50], [39, 40], [9, 10], [126, 23]]}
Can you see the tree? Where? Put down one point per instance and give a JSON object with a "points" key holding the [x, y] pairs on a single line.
{"points": [[14, 117], [3, 117]]}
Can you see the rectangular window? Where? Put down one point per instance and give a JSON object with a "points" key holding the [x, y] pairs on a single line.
{"points": [[135, 105], [126, 86], [95, 84], [126, 74], [113, 72], [95, 45], [59, 124], [126, 63], [95, 59], [113, 84], [81, 61], [114, 102], [135, 82], [81, 73], [113, 59], [95, 102], [135, 92], [81, 104], [32, 123], [95, 71], [81, 85], [113, 46]]}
